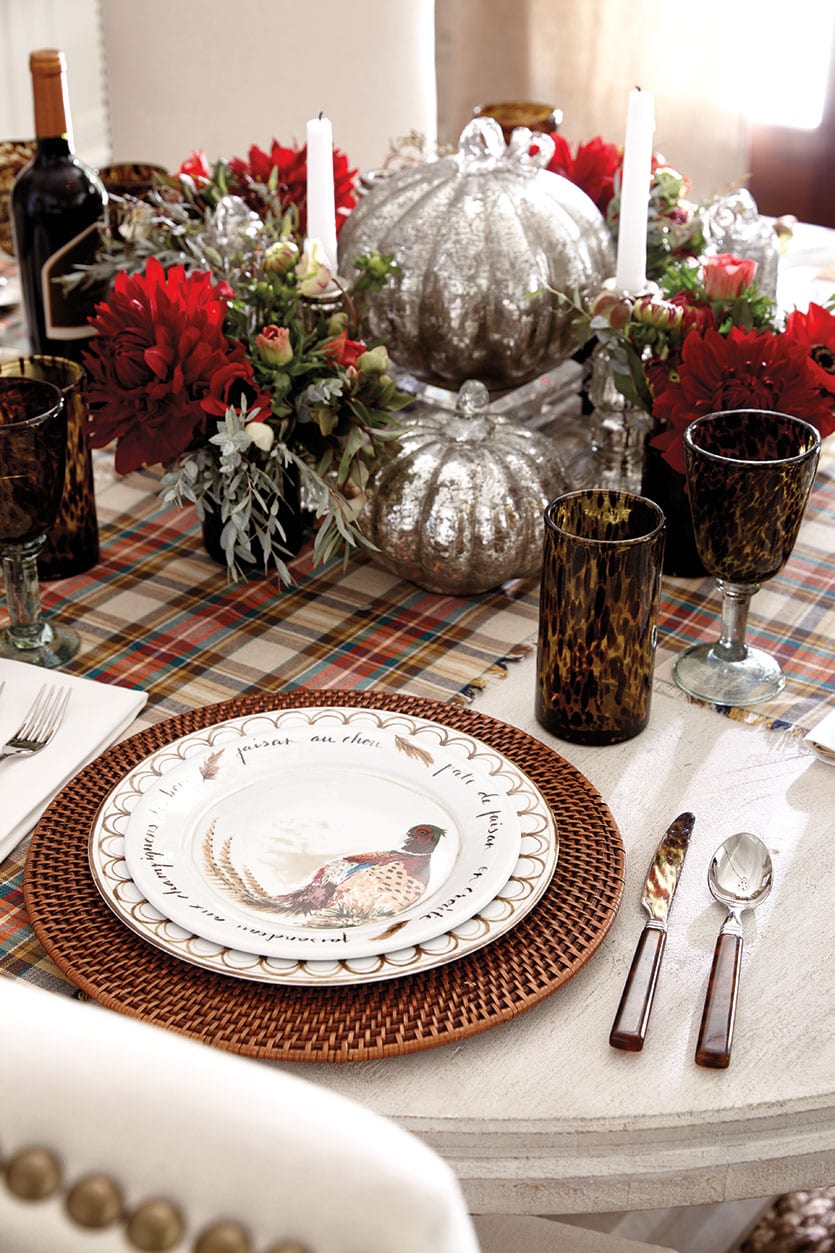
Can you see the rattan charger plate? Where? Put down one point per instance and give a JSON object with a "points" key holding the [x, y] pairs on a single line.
{"points": [[115, 967]]}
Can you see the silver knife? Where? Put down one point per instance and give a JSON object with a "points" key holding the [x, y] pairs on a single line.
{"points": [[630, 1025]]}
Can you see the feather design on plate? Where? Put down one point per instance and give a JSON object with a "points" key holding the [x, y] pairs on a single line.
{"points": [[210, 766], [413, 751]]}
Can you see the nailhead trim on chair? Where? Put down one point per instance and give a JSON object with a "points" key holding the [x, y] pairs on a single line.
{"points": [[96, 1201]]}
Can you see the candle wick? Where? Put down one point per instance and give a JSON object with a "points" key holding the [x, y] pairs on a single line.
{"points": [[322, 113]]}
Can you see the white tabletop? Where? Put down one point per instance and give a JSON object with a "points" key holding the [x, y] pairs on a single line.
{"points": [[542, 1115]]}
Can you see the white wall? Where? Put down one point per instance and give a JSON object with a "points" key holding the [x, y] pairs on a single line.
{"points": [[583, 56], [224, 74], [74, 26]]}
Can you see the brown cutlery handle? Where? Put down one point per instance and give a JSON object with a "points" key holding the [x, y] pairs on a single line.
{"points": [[717, 1029], [630, 1025]]}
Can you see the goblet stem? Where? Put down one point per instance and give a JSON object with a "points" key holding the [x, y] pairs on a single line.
{"points": [[736, 598], [29, 637], [730, 672], [27, 628]]}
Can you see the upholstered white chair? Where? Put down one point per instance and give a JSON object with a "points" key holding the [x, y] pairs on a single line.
{"points": [[117, 1136]]}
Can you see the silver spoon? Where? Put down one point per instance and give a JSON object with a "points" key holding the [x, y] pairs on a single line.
{"points": [[739, 877]]}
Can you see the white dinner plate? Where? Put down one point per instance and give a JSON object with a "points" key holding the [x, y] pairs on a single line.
{"points": [[208, 840], [311, 842]]}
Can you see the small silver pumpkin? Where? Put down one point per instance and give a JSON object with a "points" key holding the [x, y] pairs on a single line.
{"points": [[459, 508], [479, 237]]}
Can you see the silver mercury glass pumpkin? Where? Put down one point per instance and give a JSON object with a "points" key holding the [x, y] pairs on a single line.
{"points": [[482, 240], [459, 508]]}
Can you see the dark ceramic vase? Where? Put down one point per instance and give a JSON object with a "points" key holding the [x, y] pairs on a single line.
{"points": [[668, 489], [289, 515]]}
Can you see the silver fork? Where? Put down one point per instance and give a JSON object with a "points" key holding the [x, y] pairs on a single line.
{"points": [[40, 724]]}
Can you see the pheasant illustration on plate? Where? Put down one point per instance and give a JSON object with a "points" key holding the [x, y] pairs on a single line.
{"points": [[345, 891]]}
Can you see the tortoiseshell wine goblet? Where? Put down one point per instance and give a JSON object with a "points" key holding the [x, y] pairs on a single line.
{"points": [[33, 442], [749, 474]]}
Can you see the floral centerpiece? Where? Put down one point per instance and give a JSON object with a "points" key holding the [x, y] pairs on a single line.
{"points": [[706, 340], [226, 353], [675, 228], [702, 339]]}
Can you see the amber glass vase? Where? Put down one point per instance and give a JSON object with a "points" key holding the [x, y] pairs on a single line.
{"points": [[668, 488], [290, 515]]}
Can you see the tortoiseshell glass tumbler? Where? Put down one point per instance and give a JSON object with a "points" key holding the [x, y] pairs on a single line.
{"points": [[749, 474], [598, 613]]}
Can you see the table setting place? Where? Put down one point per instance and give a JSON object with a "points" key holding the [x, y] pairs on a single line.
{"points": [[390, 673]]}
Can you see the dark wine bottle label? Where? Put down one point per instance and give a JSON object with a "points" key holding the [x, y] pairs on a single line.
{"points": [[66, 309]]}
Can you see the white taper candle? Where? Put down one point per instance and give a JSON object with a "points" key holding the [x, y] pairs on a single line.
{"points": [[631, 273], [321, 202]]}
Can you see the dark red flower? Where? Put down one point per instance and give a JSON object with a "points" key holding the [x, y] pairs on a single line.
{"points": [[232, 384], [592, 167], [815, 330], [659, 372], [342, 350], [745, 370], [160, 364], [698, 316], [291, 164]]}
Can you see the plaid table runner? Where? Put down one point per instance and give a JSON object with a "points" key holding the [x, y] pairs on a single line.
{"points": [[157, 613]]}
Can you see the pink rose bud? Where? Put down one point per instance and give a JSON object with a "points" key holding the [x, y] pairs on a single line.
{"points": [[274, 347], [725, 277], [281, 256]]}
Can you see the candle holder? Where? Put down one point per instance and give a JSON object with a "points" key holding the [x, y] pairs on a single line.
{"points": [[618, 430], [324, 305]]}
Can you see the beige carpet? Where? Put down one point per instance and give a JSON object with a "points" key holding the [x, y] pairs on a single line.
{"points": [[799, 1222]]}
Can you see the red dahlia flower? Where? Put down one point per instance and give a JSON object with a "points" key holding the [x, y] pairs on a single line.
{"points": [[161, 364], [291, 164], [815, 330], [592, 167], [746, 370]]}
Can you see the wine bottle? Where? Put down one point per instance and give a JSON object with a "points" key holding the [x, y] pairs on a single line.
{"points": [[57, 206]]}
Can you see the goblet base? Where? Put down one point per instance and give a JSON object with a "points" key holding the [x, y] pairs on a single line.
{"points": [[56, 646], [702, 672]]}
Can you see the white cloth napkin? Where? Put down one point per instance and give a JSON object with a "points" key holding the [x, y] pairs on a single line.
{"points": [[821, 739], [97, 715]]}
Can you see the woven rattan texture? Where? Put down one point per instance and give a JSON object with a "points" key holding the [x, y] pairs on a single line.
{"points": [[117, 968]]}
